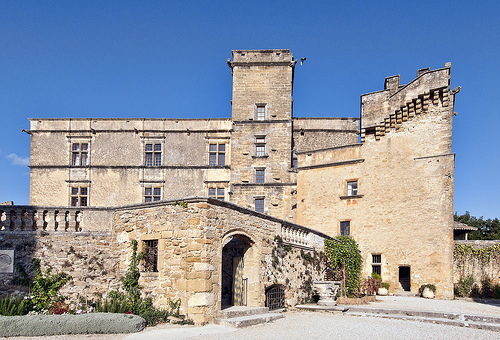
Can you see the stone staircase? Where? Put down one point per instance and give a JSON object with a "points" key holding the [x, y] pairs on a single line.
{"points": [[241, 316]]}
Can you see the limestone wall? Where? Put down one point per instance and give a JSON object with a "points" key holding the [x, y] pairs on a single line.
{"points": [[404, 204], [470, 265]]}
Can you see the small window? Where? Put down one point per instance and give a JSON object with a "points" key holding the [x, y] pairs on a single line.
{"points": [[259, 205], [345, 228], [80, 154], [79, 196], [152, 194], [153, 154], [295, 163], [217, 154], [151, 255], [261, 112], [352, 188], [377, 264], [260, 146], [259, 176], [217, 193]]}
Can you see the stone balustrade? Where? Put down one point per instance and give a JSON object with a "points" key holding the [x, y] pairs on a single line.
{"points": [[296, 235], [15, 218]]}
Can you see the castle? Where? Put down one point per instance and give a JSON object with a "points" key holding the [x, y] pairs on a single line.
{"points": [[386, 179]]}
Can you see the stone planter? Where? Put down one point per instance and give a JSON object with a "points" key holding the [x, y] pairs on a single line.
{"points": [[327, 291], [382, 291], [427, 293]]}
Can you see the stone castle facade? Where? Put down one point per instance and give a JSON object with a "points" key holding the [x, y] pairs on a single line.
{"points": [[386, 179]]}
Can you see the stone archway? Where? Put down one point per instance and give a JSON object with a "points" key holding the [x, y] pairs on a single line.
{"points": [[237, 271]]}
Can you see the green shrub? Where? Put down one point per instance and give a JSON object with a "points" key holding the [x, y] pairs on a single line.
{"points": [[344, 258], [486, 287], [385, 285], [464, 286], [10, 306], [45, 287]]}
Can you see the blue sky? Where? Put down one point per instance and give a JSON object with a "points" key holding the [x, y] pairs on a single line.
{"points": [[168, 59]]}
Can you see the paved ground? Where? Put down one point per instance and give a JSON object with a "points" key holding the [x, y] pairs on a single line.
{"points": [[327, 325]]}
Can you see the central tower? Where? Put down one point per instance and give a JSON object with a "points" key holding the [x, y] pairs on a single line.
{"points": [[261, 141]]}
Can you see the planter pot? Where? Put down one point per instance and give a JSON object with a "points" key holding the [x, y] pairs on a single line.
{"points": [[427, 293], [327, 291], [382, 291]]}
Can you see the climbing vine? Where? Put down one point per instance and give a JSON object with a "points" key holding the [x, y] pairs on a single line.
{"points": [[464, 252], [345, 261]]}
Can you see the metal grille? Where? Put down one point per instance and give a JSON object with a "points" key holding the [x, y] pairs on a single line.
{"points": [[151, 255], [275, 297]]}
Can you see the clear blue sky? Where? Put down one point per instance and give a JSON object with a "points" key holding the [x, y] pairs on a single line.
{"points": [[168, 59]]}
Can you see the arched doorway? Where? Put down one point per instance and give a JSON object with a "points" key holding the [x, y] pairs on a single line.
{"points": [[234, 288]]}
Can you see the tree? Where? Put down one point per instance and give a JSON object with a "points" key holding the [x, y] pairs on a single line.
{"points": [[486, 229]]}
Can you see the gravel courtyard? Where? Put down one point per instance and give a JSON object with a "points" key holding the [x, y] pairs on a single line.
{"points": [[304, 325]]}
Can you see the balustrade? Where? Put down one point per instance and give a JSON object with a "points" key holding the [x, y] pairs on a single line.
{"points": [[296, 235], [16, 218]]}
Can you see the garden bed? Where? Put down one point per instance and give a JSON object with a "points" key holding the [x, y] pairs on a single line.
{"points": [[356, 301]]}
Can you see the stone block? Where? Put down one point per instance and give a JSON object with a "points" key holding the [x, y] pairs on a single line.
{"points": [[194, 246], [201, 299], [203, 267], [193, 221]]}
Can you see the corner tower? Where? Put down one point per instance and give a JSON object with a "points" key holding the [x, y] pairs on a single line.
{"points": [[261, 142]]}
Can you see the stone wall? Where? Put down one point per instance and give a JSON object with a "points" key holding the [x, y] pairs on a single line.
{"points": [[403, 209], [469, 265]]}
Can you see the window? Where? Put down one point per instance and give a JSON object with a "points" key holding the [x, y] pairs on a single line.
{"points": [[152, 194], [259, 205], [259, 176], [377, 264], [153, 154], [151, 255], [352, 188], [217, 154], [295, 163], [80, 154], [217, 193], [261, 112], [260, 146], [345, 228], [79, 196]]}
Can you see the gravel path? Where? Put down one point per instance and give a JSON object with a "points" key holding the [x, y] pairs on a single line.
{"points": [[304, 325]]}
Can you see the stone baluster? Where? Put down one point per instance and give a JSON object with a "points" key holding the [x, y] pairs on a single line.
{"points": [[35, 218], [27, 220], [52, 220], [7, 222], [77, 217], [15, 220]]}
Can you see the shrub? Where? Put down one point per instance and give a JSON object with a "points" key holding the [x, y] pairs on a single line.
{"points": [[464, 286], [10, 306], [428, 285], [486, 287], [45, 287], [385, 285], [371, 285]]}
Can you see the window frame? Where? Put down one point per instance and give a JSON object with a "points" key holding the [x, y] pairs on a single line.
{"points": [[152, 193], [352, 187], [260, 112], [259, 204], [80, 153], [260, 176], [345, 225], [377, 265], [153, 154], [150, 249], [79, 196], [217, 155], [218, 193], [260, 146]]}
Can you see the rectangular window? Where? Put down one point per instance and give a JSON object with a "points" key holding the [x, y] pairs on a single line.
{"points": [[260, 146], [377, 264], [151, 255], [295, 163], [345, 228], [259, 205], [79, 196], [152, 194], [261, 112], [352, 188], [259, 176], [217, 193], [80, 154], [217, 154], [153, 155]]}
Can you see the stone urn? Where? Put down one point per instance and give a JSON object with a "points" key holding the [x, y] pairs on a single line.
{"points": [[382, 291], [327, 291], [427, 293]]}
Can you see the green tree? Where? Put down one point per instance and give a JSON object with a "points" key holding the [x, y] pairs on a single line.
{"points": [[486, 229]]}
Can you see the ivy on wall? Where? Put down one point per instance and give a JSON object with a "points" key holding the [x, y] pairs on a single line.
{"points": [[464, 252], [345, 261]]}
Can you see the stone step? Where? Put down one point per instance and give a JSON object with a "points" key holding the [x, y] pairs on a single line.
{"points": [[462, 322], [238, 311], [250, 320]]}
